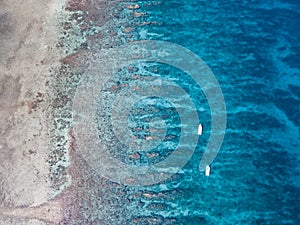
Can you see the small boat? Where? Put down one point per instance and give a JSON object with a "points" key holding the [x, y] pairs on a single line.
{"points": [[207, 170], [200, 129]]}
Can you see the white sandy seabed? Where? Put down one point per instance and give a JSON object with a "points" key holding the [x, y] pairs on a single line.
{"points": [[28, 38]]}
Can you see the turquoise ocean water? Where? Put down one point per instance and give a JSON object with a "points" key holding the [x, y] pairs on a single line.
{"points": [[253, 49]]}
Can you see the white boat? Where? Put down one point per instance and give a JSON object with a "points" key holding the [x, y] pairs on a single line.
{"points": [[200, 129], [207, 170]]}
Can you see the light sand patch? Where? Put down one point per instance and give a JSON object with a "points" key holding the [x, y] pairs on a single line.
{"points": [[28, 38], [49, 213]]}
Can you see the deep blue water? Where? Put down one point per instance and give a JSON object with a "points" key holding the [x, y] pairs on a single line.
{"points": [[253, 49]]}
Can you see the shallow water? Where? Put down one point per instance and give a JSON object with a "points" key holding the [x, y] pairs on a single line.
{"points": [[252, 47]]}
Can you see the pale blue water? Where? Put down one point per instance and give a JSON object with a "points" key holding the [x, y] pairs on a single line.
{"points": [[253, 48]]}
